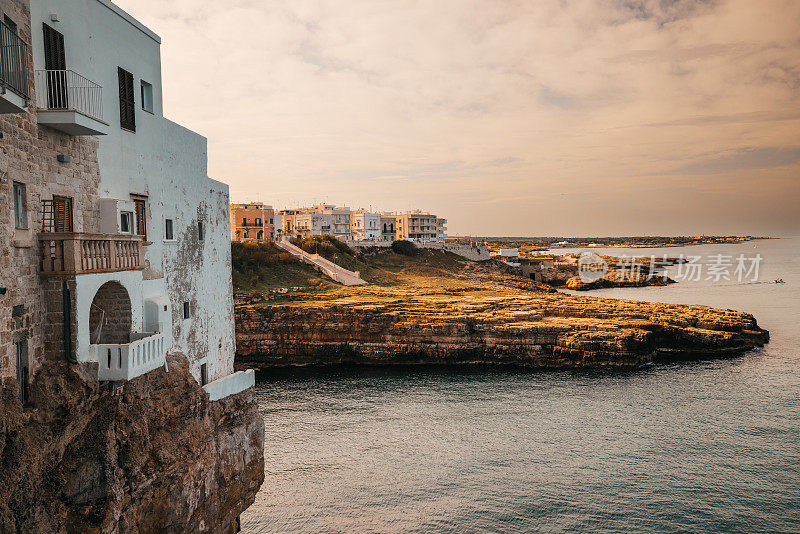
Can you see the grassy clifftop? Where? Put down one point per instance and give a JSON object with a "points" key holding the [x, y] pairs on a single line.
{"points": [[264, 266]]}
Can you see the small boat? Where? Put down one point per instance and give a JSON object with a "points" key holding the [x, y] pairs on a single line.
{"points": [[779, 281]]}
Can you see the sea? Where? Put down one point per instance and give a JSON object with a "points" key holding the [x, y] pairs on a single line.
{"points": [[706, 446]]}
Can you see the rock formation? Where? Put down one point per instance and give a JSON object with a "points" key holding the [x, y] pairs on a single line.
{"points": [[481, 317], [148, 455], [617, 278]]}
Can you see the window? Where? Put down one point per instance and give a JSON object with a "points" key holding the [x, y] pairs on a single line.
{"points": [[204, 374], [186, 310], [22, 368], [169, 230], [201, 234], [258, 222], [126, 222], [147, 97], [127, 104], [140, 204], [20, 205], [244, 221]]}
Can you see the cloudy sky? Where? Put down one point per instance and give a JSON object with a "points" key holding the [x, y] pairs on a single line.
{"points": [[538, 117]]}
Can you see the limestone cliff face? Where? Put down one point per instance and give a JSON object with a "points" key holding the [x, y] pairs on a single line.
{"points": [[548, 330], [618, 278], [149, 455]]}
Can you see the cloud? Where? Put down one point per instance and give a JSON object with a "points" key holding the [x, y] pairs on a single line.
{"points": [[740, 159], [495, 113]]}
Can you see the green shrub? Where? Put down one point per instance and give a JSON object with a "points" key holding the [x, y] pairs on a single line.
{"points": [[250, 262], [324, 245], [406, 248]]}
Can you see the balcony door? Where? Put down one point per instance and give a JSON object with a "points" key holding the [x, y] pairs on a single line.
{"points": [[141, 217], [55, 63], [62, 214]]}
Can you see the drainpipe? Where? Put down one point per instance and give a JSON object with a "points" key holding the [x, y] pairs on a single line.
{"points": [[67, 324]]}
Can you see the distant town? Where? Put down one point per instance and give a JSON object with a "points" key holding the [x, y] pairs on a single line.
{"points": [[255, 221]]}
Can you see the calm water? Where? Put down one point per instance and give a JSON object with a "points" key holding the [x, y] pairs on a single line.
{"points": [[711, 446]]}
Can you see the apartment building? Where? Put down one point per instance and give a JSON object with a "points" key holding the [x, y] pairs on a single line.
{"points": [[365, 226], [310, 224], [117, 239], [278, 226], [340, 219], [320, 219], [252, 222], [388, 224], [420, 226]]}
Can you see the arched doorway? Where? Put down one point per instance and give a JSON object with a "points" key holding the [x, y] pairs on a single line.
{"points": [[110, 315]]}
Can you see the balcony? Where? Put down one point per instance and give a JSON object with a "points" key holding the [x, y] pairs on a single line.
{"points": [[69, 102], [14, 87], [145, 352], [70, 254]]}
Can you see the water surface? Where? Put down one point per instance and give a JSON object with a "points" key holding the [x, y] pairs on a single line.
{"points": [[708, 446]]}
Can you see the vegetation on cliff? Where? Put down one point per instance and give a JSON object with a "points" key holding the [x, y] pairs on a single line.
{"points": [[264, 266], [406, 248]]}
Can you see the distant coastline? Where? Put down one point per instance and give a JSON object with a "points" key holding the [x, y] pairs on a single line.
{"points": [[547, 243]]}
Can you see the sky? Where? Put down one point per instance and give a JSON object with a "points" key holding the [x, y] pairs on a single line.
{"points": [[539, 117]]}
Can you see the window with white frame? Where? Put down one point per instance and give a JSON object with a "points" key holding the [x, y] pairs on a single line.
{"points": [[147, 96], [126, 222]]}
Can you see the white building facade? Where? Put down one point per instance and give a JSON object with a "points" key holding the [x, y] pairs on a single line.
{"points": [[98, 73], [365, 226]]}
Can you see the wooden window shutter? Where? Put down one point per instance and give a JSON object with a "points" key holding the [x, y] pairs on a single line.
{"points": [[62, 214], [127, 104], [141, 218]]}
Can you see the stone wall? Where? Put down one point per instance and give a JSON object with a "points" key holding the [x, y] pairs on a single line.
{"points": [[28, 155], [110, 315], [471, 252]]}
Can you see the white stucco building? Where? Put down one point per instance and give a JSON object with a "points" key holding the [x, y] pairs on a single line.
{"points": [[161, 243], [365, 226]]}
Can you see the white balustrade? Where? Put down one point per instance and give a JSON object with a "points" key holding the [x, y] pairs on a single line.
{"points": [[144, 353]]}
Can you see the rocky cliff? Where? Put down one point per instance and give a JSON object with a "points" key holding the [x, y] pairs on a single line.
{"points": [[149, 455], [481, 317], [616, 278]]}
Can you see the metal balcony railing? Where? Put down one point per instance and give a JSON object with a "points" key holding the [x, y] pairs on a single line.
{"points": [[13, 62], [66, 90]]}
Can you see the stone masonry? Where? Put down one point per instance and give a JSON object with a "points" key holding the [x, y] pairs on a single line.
{"points": [[28, 155]]}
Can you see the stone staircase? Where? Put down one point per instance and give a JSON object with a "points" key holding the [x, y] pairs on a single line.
{"points": [[338, 274]]}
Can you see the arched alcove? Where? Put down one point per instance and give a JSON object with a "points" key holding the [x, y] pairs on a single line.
{"points": [[110, 315]]}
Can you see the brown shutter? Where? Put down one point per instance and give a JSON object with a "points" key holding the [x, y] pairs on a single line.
{"points": [[127, 104], [141, 218], [62, 214]]}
